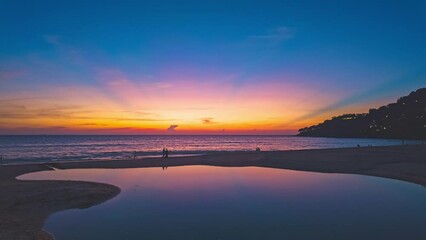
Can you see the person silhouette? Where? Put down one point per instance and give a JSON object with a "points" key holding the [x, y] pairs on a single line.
{"points": [[164, 152], [164, 164], [167, 153]]}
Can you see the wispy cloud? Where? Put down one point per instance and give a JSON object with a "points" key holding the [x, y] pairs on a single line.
{"points": [[57, 112], [207, 120], [69, 52], [6, 100], [64, 112], [142, 119], [140, 113], [273, 37], [52, 39], [93, 124]]}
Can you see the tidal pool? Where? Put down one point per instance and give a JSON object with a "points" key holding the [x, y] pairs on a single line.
{"points": [[201, 202]]}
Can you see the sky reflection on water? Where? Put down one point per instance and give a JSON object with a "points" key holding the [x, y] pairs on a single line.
{"points": [[200, 202]]}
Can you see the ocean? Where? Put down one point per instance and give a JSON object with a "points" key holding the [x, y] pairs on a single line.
{"points": [[27, 149]]}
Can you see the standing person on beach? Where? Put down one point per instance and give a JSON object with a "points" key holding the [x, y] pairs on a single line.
{"points": [[164, 152], [167, 153]]}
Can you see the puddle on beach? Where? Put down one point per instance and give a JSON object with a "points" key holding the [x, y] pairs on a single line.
{"points": [[201, 202]]}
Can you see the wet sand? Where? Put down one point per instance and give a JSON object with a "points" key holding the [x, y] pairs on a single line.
{"points": [[407, 163], [24, 205]]}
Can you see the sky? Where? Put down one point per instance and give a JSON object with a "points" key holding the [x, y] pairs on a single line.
{"points": [[203, 67]]}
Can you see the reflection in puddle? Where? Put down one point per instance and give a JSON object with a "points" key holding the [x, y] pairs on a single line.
{"points": [[200, 202]]}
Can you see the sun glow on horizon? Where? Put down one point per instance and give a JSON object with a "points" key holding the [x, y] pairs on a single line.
{"points": [[213, 105], [211, 68], [174, 103]]}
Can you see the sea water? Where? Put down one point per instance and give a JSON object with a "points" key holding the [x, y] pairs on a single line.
{"points": [[25, 149]]}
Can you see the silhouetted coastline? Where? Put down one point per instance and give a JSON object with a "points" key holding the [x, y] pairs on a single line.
{"points": [[405, 119]]}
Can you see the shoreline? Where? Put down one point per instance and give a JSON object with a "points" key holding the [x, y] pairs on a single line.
{"points": [[25, 205], [398, 160], [403, 162]]}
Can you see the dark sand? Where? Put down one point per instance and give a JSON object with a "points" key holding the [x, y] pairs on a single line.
{"points": [[407, 163], [24, 205]]}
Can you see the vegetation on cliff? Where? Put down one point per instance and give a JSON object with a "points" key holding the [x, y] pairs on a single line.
{"points": [[405, 119]]}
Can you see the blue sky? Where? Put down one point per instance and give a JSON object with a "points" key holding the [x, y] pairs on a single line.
{"points": [[360, 52]]}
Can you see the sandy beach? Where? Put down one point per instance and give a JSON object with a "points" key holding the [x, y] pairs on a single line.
{"points": [[407, 163], [25, 205]]}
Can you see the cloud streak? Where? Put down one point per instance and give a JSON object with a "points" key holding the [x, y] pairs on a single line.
{"points": [[273, 37], [52, 39], [207, 120]]}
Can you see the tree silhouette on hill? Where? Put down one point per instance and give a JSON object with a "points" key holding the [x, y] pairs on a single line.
{"points": [[405, 119]]}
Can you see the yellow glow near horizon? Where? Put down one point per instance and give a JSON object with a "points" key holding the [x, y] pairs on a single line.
{"points": [[196, 107]]}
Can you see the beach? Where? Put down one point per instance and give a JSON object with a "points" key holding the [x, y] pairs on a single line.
{"points": [[407, 163], [25, 205]]}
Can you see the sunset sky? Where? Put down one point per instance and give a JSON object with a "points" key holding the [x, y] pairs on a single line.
{"points": [[203, 67]]}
